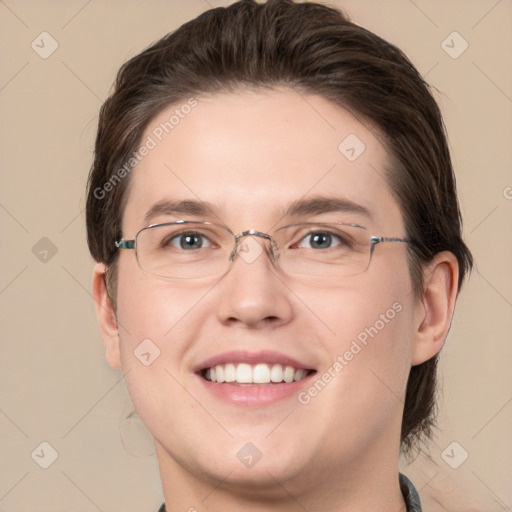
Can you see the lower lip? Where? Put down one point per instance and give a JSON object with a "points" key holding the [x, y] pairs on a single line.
{"points": [[256, 395]]}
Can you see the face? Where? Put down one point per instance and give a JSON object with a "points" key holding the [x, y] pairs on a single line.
{"points": [[251, 155]]}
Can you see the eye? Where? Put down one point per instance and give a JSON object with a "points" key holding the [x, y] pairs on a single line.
{"points": [[320, 240], [187, 241]]}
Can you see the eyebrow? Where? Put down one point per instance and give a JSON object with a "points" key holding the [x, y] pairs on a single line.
{"points": [[316, 205], [181, 207]]}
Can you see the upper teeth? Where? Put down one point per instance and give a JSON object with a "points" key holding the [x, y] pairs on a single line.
{"points": [[260, 373]]}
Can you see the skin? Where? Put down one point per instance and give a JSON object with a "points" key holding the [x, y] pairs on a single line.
{"points": [[251, 154]]}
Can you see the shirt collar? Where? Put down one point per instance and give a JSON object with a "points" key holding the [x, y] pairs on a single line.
{"points": [[411, 497]]}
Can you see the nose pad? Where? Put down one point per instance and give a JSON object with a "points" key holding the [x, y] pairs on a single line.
{"points": [[250, 249]]}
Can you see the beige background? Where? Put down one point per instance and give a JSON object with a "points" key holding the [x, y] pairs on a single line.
{"points": [[55, 384]]}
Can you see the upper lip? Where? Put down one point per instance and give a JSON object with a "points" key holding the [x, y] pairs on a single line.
{"points": [[242, 356]]}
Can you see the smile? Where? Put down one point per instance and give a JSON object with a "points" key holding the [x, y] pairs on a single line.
{"points": [[253, 379], [260, 373]]}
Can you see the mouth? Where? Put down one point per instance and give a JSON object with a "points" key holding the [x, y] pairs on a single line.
{"points": [[263, 373], [253, 379]]}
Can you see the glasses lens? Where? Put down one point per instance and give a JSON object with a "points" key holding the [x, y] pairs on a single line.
{"points": [[193, 250], [185, 250], [323, 250]]}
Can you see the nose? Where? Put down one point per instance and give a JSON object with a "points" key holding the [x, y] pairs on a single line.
{"points": [[253, 294]]}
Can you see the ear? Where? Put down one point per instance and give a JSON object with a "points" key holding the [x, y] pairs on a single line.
{"points": [[435, 309], [106, 316]]}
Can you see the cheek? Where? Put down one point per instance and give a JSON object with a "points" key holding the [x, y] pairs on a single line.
{"points": [[157, 318], [366, 332], [360, 308], [156, 328]]}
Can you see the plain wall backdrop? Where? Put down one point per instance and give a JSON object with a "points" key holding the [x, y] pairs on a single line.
{"points": [[59, 59]]}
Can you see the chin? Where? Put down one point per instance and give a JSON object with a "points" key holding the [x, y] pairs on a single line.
{"points": [[259, 480]]}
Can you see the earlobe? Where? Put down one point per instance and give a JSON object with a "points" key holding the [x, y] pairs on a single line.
{"points": [[434, 311], [106, 316]]}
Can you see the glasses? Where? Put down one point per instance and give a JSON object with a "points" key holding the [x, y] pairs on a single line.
{"points": [[194, 250]]}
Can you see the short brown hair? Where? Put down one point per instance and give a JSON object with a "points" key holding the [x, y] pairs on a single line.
{"points": [[310, 48]]}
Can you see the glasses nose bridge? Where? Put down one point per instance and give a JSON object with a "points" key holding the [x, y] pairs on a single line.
{"points": [[252, 232]]}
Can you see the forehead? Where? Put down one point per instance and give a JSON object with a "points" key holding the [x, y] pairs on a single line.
{"points": [[250, 155]]}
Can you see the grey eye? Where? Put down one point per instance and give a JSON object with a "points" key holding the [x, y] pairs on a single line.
{"points": [[320, 240], [188, 241]]}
